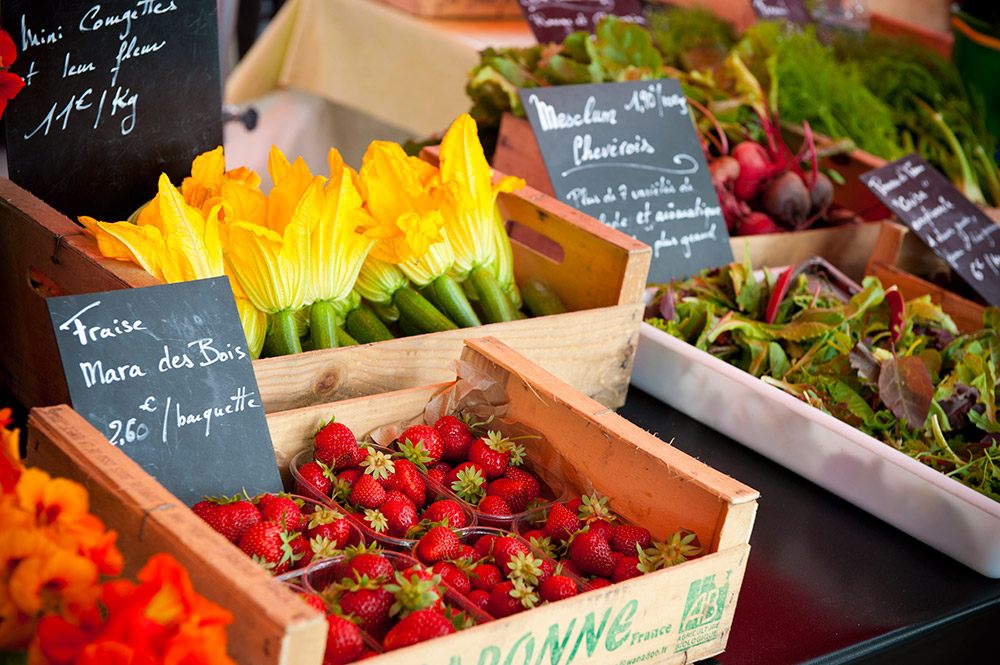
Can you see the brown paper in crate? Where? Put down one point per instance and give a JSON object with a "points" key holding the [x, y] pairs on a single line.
{"points": [[477, 393]]}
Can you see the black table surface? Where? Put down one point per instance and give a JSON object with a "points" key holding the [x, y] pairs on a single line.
{"points": [[826, 582]]}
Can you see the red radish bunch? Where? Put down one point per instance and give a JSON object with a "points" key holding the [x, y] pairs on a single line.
{"points": [[279, 531], [596, 544], [498, 572], [395, 603], [388, 494]]}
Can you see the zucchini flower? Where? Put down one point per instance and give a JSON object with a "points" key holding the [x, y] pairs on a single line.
{"points": [[399, 192]]}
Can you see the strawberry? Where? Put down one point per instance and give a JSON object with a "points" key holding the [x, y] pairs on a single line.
{"points": [[466, 554], [494, 505], [598, 583], [446, 511], [513, 492], [230, 517], [400, 516], [437, 475], [479, 598], [591, 554], [368, 602], [313, 601], [335, 446], [284, 511], [317, 476], [453, 575], [419, 626], [367, 492], [527, 568], [439, 543], [626, 568], [505, 548], [302, 551], [406, 478], [455, 437], [509, 598], [484, 545], [546, 570], [372, 565], [268, 544], [396, 495], [561, 523], [531, 485], [485, 576], [343, 641], [603, 527], [556, 588], [491, 452], [626, 537], [468, 481], [421, 444]]}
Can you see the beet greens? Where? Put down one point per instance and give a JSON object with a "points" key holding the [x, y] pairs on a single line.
{"points": [[898, 371]]}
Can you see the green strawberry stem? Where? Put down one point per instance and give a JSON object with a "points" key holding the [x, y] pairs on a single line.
{"points": [[451, 299], [492, 300], [323, 325], [418, 311], [283, 335]]}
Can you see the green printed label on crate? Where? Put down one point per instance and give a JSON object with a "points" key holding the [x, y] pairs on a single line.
{"points": [[703, 611]]}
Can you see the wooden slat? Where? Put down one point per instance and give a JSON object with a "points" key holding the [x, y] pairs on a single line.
{"points": [[272, 626]]}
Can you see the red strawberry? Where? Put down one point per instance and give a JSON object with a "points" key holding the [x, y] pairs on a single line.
{"points": [[368, 602], [505, 548], [230, 517], [509, 598], [284, 511], [528, 479], [343, 641], [479, 598], [400, 516], [466, 553], [467, 480], [556, 588], [626, 568], [561, 523], [494, 505], [446, 510], [456, 437], [547, 570], [302, 551], [417, 627], [335, 446], [512, 491], [484, 545], [626, 537], [492, 453], [439, 543], [313, 601], [603, 527], [421, 444], [317, 476], [396, 495], [406, 478], [367, 492], [268, 544], [591, 554], [452, 575], [598, 583], [372, 565], [485, 576], [438, 471]]}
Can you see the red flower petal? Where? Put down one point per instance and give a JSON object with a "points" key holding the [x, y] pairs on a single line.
{"points": [[8, 54]]}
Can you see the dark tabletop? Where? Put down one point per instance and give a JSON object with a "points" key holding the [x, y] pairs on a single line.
{"points": [[827, 583]]}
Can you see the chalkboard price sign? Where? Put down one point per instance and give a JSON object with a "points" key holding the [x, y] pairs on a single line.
{"points": [[781, 10], [627, 154], [951, 225], [164, 373], [552, 20], [116, 93]]}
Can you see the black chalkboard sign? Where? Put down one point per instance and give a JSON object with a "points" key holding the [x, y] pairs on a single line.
{"points": [[781, 10], [164, 373], [116, 93], [552, 20], [628, 154], [951, 225]]}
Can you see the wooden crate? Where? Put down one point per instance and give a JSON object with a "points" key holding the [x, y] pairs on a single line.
{"points": [[683, 613], [458, 8], [599, 273]]}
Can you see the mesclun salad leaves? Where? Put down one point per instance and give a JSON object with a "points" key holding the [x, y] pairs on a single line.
{"points": [[898, 371]]}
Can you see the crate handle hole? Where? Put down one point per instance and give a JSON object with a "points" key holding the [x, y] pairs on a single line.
{"points": [[42, 284], [535, 241]]}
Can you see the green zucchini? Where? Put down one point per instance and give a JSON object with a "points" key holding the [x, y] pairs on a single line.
{"points": [[540, 298], [365, 327], [283, 335], [492, 300], [449, 297], [419, 312]]}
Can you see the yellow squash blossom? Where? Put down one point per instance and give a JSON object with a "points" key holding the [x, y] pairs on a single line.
{"points": [[202, 188]]}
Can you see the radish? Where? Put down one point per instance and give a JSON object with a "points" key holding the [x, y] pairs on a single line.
{"points": [[757, 223], [724, 170], [786, 199], [821, 192], [756, 168]]}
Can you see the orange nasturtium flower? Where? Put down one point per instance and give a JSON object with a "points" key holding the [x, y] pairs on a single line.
{"points": [[10, 83]]}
